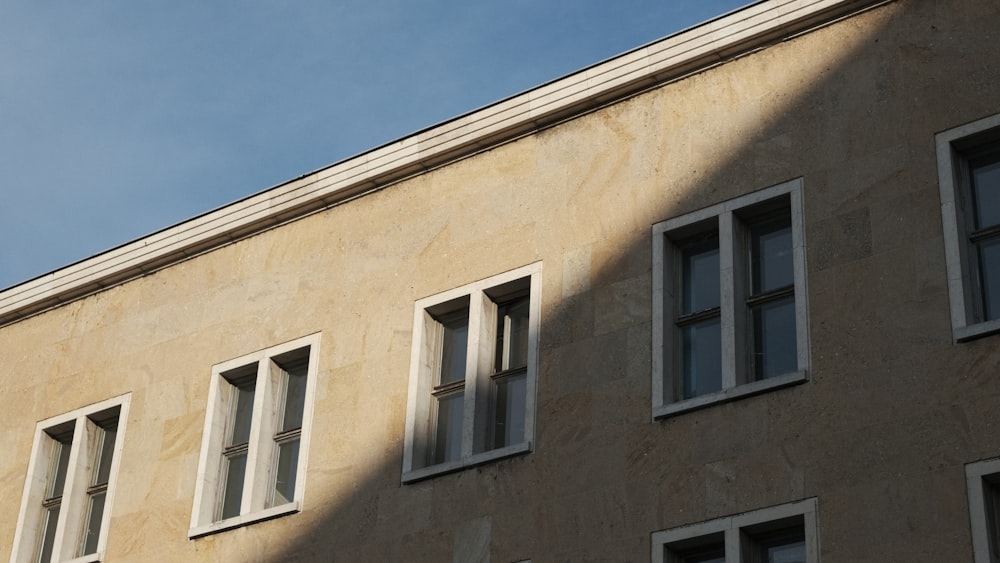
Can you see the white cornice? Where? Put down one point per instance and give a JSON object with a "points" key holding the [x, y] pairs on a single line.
{"points": [[668, 59]]}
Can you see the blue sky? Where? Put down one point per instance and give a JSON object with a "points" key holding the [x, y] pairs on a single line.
{"points": [[120, 118]]}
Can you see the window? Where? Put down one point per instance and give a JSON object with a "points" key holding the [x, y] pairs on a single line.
{"points": [[472, 374], [779, 534], [69, 489], [729, 301], [253, 453], [984, 509], [969, 179]]}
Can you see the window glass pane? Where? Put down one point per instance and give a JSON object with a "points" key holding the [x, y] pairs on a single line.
{"points": [[991, 501], [989, 274], [508, 428], [93, 529], [700, 275], [702, 363], [455, 338], [236, 467], [288, 461], [61, 462], [105, 455], [243, 413], [771, 254], [774, 350], [512, 335], [48, 533], [791, 552], [295, 395], [986, 191], [448, 442]]}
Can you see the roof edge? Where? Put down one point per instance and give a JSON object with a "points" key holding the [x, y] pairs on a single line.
{"points": [[674, 57]]}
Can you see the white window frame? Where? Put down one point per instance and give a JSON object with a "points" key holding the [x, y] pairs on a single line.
{"points": [[666, 401], [74, 505], [260, 455], [952, 147], [735, 531], [976, 475], [419, 423]]}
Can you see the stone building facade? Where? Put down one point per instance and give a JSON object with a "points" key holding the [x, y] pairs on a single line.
{"points": [[731, 295]]}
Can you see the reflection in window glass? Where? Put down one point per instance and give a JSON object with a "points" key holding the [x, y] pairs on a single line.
{"points": [[510, 406], [986, 191], [771, 254], [774, 346], [454, 347], [98, 488], [448, 443], [700, 275], [702, 358]]}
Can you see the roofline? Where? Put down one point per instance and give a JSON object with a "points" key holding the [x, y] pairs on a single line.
{"points": [[674, 57]]}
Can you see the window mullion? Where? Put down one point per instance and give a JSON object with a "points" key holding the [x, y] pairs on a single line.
{"points": [[73, 493], [734, 545], [731, 289], [477, 374], [254, 482]]}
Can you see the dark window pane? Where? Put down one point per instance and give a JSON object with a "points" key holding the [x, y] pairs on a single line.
{"points": [[288, 461], [243, 413], [700, 275], [771, 254], [455, 338], [991, 500], [989, 274], [48, 533], [448, 442], [986, 191], [236, 467], [511, 392], [105, 455], [791, 552], [512, 335], [93, 525], [702, 352], [58, 476], [295, 395], [774, 349]]}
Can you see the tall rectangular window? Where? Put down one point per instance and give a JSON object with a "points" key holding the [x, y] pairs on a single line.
{"points": [[729, 301], [68, 493], [969, 179], [256, 437], [472, 374]]}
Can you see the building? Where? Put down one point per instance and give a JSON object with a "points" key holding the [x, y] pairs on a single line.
{"points": [[728, 295]]}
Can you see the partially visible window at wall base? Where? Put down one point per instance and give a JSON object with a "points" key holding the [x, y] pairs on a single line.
{"points": [[782, 534]]}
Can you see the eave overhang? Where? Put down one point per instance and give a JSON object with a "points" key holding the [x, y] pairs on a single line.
{"points": [[669, 59]]}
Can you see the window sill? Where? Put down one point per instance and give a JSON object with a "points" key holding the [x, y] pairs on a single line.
{"points": [[244, 520], [459, 464], [731, 394], [978, 330]]}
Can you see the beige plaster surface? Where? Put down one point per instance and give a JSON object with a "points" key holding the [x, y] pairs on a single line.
{"points": [[880, 434]]}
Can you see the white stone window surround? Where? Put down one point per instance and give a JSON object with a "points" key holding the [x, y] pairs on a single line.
{"points": [[260, 462], [952, 146], [665, 400], [733, 531], [74, 505], [419, 425], [977, 475]]}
